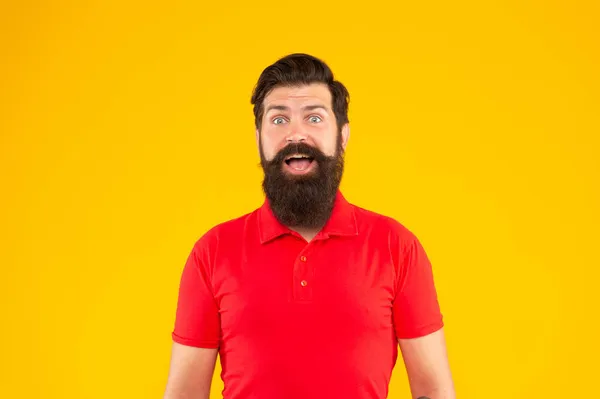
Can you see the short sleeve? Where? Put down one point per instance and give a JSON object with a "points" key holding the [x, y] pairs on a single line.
{"points": [[197, 315], [416, 311]]}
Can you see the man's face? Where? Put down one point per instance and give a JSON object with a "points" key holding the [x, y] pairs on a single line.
{"points": [[299, 114], [301, 151]]}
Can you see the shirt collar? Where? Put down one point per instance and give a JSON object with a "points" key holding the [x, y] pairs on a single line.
{"points": [[342, 221]]}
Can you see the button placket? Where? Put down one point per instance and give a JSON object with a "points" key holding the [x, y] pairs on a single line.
{"points": [[302, 279]]}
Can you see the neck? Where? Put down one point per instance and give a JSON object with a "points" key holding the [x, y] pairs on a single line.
{"points": [[307, 234]]}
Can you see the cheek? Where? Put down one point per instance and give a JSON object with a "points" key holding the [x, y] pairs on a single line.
{"points": [[328, 144], [269, 145]]}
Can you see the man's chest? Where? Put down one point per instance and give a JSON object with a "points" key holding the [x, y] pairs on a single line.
{"points": [[328, 288]]}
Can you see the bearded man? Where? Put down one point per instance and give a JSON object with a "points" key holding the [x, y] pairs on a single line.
{"points": [[308, 296]]}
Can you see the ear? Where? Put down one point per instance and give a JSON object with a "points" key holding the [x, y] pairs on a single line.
{"points": [[257, 132], [345, 135]]}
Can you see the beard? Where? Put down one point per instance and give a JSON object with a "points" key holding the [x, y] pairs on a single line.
{"points": [[305, 200]]}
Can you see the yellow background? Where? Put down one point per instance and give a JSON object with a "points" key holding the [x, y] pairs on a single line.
{"points": [[126, 132]]}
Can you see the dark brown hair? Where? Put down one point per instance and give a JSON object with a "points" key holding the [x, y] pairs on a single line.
{"points": [[300, 69]]}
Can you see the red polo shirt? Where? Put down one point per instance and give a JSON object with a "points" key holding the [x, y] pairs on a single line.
{"points": [[304, 320]]}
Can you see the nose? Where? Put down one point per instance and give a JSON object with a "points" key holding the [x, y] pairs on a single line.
{"points": [[295, 138], [295, 135]]}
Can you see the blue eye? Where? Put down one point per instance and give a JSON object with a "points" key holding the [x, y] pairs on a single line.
{"points": [[278, 121], [315, 119]]}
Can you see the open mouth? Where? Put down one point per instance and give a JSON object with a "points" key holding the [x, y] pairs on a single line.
{"points": [[299, 163]]}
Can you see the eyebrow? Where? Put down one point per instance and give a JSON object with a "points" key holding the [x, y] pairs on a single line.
{"points": [[286, 108]]}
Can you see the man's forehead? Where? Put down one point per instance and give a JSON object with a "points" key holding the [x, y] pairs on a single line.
{"points": [[299, 95]]}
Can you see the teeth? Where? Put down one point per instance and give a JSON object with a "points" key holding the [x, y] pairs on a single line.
{"points": [[299, 156]]}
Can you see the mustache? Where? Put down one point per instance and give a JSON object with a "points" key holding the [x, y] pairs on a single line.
{"points": [[299, 148]]}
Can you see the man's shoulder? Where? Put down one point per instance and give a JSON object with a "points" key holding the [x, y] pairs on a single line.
{"points": [[227, 231], [371, 220]]}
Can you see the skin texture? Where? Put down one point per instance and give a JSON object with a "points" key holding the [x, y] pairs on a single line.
{"points": [[427, 367], [298, 122], [190, 373]]}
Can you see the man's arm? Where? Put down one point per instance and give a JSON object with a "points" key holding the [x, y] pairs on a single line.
{"points": [[427, 366], [191, 372], [196, 331]]}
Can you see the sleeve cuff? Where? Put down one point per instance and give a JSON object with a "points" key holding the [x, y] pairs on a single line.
{"points": [[209, 344], [422, 331]]}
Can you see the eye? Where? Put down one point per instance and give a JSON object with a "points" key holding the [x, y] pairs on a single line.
{"points": [[315, 119], [278, 121]]}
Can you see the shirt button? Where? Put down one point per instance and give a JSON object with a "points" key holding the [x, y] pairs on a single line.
{"points": [[303, 283], [303, 258]]}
